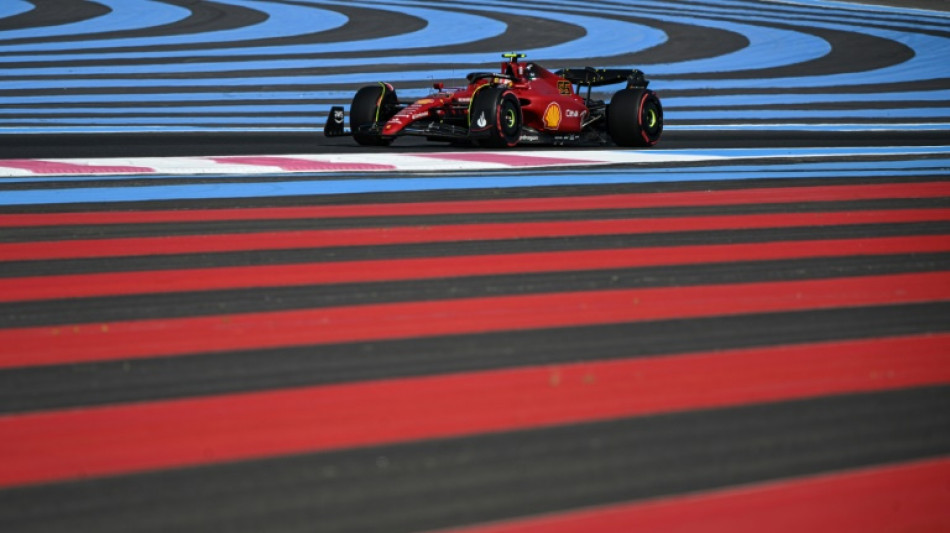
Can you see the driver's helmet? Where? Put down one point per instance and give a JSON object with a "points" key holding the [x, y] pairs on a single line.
{"points": [[530, 71], [516, 70]]}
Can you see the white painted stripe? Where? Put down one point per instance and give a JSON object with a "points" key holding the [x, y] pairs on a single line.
{"points": [[427, 161], [15, 172]]}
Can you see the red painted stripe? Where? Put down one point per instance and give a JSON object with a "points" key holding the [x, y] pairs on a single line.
{"points": [[515, 205], [136, 437], [85, 248], [909, 497], [295, 164], [37, 166], [161, 337], [123, 283]]}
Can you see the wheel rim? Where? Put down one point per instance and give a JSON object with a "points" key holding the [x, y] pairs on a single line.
{"points": [[651, 118], [509, 120]]}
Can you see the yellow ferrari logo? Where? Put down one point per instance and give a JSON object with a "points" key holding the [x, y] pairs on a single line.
{"points": [[552, 116]]}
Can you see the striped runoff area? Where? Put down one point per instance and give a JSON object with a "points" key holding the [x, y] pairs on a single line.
{"points": [[239, 65], [763, 354]]}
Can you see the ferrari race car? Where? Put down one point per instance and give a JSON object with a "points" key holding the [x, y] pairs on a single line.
{"points": [[520, 105]]}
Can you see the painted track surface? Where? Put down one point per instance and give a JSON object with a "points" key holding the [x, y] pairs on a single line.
{"points": [[754, 340], [261, 65]]}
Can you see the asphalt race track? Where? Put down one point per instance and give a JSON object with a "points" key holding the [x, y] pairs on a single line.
{"points": [[212, 318]]}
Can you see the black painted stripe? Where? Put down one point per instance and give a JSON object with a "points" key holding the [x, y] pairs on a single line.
{"points": [[850, 52], [78, 385], [53, 13], [210, 16], [205, 16]]}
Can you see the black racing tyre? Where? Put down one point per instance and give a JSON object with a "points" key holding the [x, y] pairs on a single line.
{"points": [[497, 111], [635, 118], [373, 104]]}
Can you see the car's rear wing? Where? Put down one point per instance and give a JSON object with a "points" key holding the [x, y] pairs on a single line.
{"points": [[595, 77]]}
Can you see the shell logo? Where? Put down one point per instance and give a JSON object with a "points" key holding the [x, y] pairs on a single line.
{"points": [[552, 116]]}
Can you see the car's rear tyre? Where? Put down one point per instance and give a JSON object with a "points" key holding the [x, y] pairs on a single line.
{"points": [[635, 118], [373, 104], [495, 119]]}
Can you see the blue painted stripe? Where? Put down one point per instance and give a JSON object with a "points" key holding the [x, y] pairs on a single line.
{"points": [[10, 8], [775, 47], [600, 35], [124, 15], [890, 11], [804, 114], [930, 53], [929, 63], [445, 28], [769, 47], [855, 14], [800, 98], [283, 20]]}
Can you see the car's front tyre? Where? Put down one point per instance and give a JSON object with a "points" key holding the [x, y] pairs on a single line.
{"points": [[373, 105], [635, 118], [495, 119]]}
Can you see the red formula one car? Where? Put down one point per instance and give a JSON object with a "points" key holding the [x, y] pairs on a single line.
{"points": [[522, 104]]}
